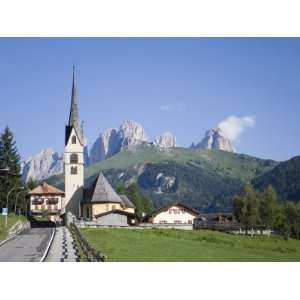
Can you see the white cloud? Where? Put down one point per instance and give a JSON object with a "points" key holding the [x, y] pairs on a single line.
{"points": [[233, 126], [171, 107]]}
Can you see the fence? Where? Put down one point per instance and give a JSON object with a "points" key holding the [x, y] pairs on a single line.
{"points": [[92, 254], [232, 227]]}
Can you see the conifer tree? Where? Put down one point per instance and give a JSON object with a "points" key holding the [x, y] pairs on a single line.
{"points": [[9, 159]]}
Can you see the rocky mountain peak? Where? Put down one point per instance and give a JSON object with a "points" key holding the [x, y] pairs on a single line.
{"points": [[215, 139], [133, 131], [166, 140], [42, 165]]}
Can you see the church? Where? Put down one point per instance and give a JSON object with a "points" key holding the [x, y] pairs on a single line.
{"points": [[99, 202], [100, 198]]}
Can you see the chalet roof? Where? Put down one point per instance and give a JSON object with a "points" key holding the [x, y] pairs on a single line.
{"points": [[101, 191], [46, 189], [116, 211], [126, 201], [187, 208]]}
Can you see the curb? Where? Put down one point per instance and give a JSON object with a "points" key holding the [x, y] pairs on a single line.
{"points": [[12, 236], [8, 239], [48, 246]]}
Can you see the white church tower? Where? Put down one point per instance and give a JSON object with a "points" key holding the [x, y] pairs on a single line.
{"points": [[74, 158]]}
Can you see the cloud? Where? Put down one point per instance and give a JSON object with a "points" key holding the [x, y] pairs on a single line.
{"points": [[171, 107], [233, 126]]}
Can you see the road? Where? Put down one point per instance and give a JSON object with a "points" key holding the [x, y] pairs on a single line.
{"points": [[29, 246]]}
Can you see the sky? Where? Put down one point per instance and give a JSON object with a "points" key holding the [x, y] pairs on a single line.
{"points": [[250, 87]]}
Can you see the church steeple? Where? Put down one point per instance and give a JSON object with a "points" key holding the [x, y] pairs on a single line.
{"points": [[74, 116]]}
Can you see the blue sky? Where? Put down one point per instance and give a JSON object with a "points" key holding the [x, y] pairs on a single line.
{"points": [[182, 85]]}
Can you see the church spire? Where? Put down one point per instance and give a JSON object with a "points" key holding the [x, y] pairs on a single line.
{"points": [[74, 116]]}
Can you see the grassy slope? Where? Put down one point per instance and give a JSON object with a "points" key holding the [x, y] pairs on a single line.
{"points": [[229, 164], [12, 219], [224, 163], [178, 245]]}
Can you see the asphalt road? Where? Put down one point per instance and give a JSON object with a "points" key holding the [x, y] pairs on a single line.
{"points": [[29, 246]]}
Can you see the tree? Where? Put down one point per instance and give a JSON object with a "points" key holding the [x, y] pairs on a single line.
{"points": [[9, 158], [141, 203], [252, 217], [269, 208], [239, 208], [246, 208], [292, 212], [32, 183]]}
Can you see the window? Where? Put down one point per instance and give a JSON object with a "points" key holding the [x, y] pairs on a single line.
{"points": [[113, 207], [87, 212], [74, 158], [38, 201], [52, 201], [73, 139], [177, 221], [73, 170]]}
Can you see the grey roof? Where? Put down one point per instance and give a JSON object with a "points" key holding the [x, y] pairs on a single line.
{"points": [[101, 191], [74, 115], [127, 202]]}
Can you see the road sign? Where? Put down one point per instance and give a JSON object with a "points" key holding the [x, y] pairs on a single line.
{"points": [[4, 211]]}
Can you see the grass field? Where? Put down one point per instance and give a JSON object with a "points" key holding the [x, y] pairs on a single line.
{"points": [[183, 246], [12, 219]]}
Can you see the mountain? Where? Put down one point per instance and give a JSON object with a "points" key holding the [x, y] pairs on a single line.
{"points": [[130, 134], [285, 179], [215, 139], [166, 140], [42, 165], [204, 179]]}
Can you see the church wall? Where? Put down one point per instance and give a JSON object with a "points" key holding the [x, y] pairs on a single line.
{"points": [[130, 210], [99, 208], [73, 182]]}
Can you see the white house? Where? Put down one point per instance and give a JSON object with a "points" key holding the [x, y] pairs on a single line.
{"points": [[176, 213]]}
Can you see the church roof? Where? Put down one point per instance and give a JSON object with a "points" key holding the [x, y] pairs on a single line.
{"points": [[45, 189], [74, 115], [126, 201], [101, 191]]}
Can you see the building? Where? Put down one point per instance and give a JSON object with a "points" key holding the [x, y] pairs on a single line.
{"points": [[115, 218], [176, 213], [46, 199], [101, 198], [74, 158], [81, 201]]}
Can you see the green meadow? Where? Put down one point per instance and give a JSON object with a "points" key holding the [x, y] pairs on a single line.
{"points": [[170, 245]]}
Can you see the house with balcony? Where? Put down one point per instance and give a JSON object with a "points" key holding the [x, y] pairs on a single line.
{"points": [[46, 200]]}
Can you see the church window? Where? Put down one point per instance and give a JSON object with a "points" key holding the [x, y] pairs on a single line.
{"points": [[74, 158], [73, 170], [73, 139]]}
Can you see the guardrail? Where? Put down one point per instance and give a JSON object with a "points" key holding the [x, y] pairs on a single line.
{"points": [[92, 254]]}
